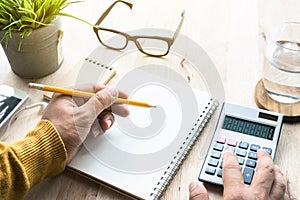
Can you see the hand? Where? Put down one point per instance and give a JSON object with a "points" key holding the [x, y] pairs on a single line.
{"points": [[268, 181], [74, 118]]}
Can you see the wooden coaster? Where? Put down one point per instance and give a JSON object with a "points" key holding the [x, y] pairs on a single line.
{"points": [[291, 112]]}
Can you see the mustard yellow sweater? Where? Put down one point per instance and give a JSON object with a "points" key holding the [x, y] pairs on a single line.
{"points": [[23, 164]]}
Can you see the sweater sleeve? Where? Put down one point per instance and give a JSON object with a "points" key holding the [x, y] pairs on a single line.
{"points": [[23, 164]]}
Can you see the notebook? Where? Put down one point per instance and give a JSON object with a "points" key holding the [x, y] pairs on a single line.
{"points": [[93, 69], [139, 155]]}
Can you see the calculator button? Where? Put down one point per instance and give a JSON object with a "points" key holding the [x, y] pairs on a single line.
{"points": [[215, 154], [268, 150], [219, 174], [210, 170], [248, 174], [243, 145], [241, 160], [252, 155], [241, 152], [221, 164], [254, 147], [231, 142], [218, 147], [229, 148], [221, 140], [250, 163], [213, 162]]}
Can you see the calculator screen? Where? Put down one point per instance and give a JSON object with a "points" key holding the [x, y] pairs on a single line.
{"points": [[248, 127]]}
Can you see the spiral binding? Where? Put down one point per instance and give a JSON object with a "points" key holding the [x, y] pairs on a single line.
{"points": [[184, 149], [98, 63]]}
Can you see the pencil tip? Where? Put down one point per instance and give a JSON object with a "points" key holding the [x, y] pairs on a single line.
{"points": [[152, 106]]}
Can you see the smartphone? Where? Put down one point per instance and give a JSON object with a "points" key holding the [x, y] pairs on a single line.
{"points": [[11, 99]]}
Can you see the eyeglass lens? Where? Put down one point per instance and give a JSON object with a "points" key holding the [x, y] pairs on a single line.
{"points": [[119, 41], [152, 46]]}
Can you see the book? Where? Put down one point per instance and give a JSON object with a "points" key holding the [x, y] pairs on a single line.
{"points": [[139, 155]]}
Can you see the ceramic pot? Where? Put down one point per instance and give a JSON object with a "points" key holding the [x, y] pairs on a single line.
{"points": [[40, 53]]}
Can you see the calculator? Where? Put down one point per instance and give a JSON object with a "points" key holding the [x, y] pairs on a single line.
{"points": [[243, 131]]}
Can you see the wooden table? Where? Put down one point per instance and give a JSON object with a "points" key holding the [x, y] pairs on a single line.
{"points": [[232, 32]]}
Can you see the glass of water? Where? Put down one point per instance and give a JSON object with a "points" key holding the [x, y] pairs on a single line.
{"points": [[281, 70]]}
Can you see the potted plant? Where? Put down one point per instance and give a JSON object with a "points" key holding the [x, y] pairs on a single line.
{"points": [[30, 34]]}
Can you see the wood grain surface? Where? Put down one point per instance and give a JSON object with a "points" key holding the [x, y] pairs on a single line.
{"points": [[232, 32]]}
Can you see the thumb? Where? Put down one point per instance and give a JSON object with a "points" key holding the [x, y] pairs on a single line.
{"points": [[85, 115], [102, 100], [197, 191]]}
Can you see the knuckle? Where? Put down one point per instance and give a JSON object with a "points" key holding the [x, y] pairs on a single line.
{"points": [[101, 100], [282, 182], [269, 169], [282, 186]]}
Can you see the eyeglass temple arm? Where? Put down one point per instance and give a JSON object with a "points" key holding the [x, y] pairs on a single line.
{"points": [[179, 26], [109, 9]]}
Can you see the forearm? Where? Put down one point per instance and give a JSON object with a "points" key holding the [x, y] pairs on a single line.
{"points": [[23, 164]]}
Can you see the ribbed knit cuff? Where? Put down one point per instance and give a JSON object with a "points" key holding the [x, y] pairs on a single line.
{"points": [[42, 152]]}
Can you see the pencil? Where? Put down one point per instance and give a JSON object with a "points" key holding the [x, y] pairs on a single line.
{"points": [[83, 94]]}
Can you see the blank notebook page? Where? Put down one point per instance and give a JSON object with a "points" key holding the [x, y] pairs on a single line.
{"points": [[133, 156]]}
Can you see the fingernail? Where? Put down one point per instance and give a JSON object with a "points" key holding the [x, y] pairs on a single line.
{"points": [[108, 123], [113, 92]]}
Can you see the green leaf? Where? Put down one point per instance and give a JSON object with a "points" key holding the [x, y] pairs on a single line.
{"points": [[29, 12], [74, 17], [26, 15], [4, 21], [11, 24]]}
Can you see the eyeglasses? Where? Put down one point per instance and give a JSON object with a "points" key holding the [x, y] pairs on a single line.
{"points": [[150, 45]]}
